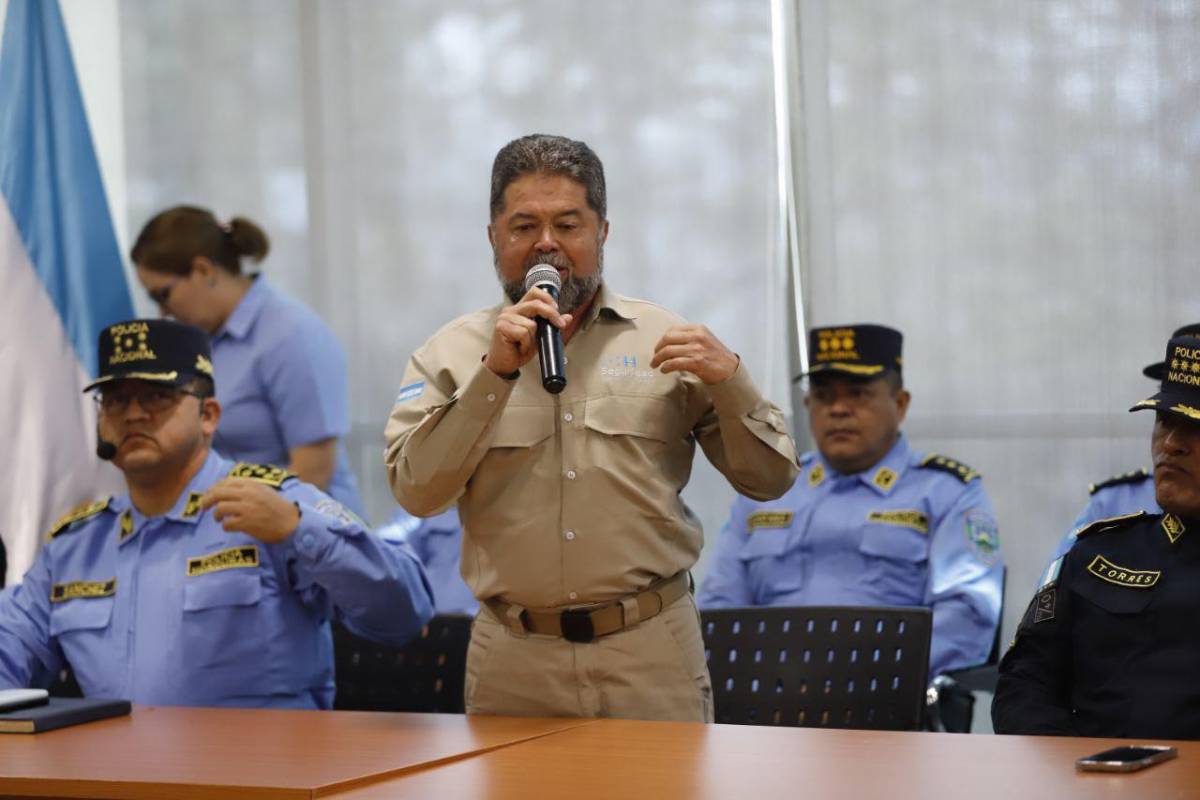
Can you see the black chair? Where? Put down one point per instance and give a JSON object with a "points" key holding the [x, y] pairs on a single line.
{"points": [[426, 675], [951, 697], [64, 684], [819, 666]]}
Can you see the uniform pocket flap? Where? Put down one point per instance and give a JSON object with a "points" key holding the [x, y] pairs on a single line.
{"points": [[765, 543], [647, 417], [81, 615], [238, 587], [1115, 589], [524, 426], [896, 543]]}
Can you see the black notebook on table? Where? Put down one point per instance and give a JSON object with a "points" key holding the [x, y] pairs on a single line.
{"points": [[60, 712]]}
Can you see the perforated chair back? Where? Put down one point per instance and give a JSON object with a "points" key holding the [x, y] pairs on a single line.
{"points": [[426, 675], [819, 666]]}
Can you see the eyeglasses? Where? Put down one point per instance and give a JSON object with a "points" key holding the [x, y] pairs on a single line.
{"points": [[161, 296], [153, 401]]}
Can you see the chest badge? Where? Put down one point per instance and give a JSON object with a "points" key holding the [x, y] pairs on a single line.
{"points": [[231, 558], [1106, 570], [884, 478], [904, 517], [768, 519], [62, 592]]}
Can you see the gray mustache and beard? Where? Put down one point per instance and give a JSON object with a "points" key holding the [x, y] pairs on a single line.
{"points": [[574, 291]]}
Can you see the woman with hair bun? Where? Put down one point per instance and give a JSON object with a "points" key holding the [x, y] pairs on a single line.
{"points": [[280, 373]]}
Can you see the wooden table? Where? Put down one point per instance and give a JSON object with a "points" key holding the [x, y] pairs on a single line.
{"points": [[165, 753], [619, 759], [236, 753]]}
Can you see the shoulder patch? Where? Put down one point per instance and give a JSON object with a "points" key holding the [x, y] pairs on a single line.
{"points": [[1136, 476], [1110, 524], [77, 514], [263, 473], [947, 464]]}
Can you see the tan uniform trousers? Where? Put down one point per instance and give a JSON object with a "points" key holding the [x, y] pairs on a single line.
{"points": [[653, 670]]}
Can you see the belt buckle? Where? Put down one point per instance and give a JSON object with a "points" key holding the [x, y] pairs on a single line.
{"points": [[576, 624]]}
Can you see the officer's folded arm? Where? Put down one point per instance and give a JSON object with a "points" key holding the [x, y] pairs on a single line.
{"points": [[377, 587]]}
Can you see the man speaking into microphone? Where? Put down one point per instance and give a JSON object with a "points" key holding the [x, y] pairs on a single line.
{"points": [[575, 538]]}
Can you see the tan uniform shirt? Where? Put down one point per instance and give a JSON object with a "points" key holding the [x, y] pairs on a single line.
{"points": [[574, 498]]}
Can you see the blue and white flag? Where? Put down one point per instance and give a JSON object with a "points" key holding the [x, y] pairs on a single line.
{"points": [[61, 281]]}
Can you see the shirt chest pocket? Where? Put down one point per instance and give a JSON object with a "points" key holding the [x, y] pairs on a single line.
{"points": [[222, 618], [523, 426], [895, 560], [81, 616], [1114, 599], [650, 418]]}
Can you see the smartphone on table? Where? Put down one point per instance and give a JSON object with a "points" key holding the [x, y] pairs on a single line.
{"points": [[1126, 759], [15, 699]]}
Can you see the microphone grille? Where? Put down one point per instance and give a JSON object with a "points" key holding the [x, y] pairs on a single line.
{"points": [[542, 273]]}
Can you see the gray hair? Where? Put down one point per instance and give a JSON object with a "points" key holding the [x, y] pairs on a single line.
{"points": [[558, 155]]}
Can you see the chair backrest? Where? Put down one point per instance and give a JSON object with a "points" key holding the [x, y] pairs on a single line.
{"points": [[819, 666], [426, 675]]}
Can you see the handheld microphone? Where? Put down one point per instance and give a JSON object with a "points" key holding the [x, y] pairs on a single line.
{"points": [[105, 451], [549, 338]]}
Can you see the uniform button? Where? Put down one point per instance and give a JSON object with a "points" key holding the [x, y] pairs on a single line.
{"points": [[568, 416], [491, 397], [570, 474], [573, 596], [570, 535]]}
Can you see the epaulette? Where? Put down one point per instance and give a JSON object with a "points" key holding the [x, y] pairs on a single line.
{"points": [[77, 514], [263, 473], [1110, 524], [1137, 476], [946, 464]]}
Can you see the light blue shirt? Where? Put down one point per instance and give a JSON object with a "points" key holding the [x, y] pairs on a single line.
{"points": [[898, 534], [281, 382], [1112, 500], [437, 541], [173, 610]]}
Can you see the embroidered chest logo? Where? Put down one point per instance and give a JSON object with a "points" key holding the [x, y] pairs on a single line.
{"points": [[233, 558], [624, 367], [817, 476], [905, 518], [1104, 569], [62, 592], [1173, 526], [768, 519]]}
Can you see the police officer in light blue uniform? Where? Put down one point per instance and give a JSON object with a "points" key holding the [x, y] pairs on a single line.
{"points": [[1123, 494], [437, 541], [869, 521], [280, 372], [209, 582]]}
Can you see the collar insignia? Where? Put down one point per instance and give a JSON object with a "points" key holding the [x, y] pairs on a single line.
{"points": [[126, 525], [1105, 570], [884, 478], [192, 507], [816, 476], [1173, 526]]}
